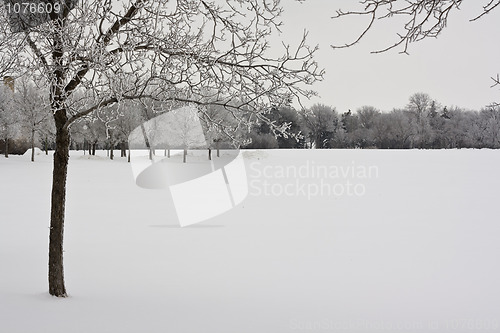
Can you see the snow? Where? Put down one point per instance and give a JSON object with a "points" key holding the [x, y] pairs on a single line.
{"points": [[415, 251], [38, 151]]}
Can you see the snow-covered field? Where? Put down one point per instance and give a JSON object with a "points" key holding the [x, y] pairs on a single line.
{"points": [[360, 241]]}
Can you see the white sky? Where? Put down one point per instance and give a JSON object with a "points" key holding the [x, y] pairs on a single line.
{"points": [[455, 69]]}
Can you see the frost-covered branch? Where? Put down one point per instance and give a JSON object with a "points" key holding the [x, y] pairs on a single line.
{"points": [[423, 18]]}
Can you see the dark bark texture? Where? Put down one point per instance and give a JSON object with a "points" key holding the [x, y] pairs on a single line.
{"points": [[61, 158]]}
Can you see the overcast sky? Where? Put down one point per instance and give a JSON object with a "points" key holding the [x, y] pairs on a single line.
{"points": [[455, 69]]}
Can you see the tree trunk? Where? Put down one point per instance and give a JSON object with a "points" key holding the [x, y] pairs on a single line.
{"points": [[128, 154], [209, 154], [32, 145], [168, 153], [94, 146], [61, 158], [60, 172], [6, 145], [111, 145], [184, 155]]}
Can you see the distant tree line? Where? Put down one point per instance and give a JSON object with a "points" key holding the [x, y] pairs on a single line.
{"points": [[422, 123], [25, 122]]}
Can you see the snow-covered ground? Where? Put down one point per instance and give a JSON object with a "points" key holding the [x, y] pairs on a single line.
{"points": [[358, 241]]}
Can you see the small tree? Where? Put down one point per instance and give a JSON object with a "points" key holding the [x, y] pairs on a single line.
{"points": [[321, 122], [129, 119], [190, 51], [421, 108], [9, 117], [184, 130], [108, 117]]}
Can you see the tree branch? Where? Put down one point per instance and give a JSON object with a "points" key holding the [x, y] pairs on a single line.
{"points": [[102, 42]]}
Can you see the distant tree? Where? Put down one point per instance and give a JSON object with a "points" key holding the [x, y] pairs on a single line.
{"points": [[178, 129], [288, 116], [34, 111], [490, 125], [221, 127], [47, 135], [9, 117], [456, 126], [363, 136], [393, 130], [290, 135], [321, 122], [367, 115], [128, 120], [349, 121], [402, 129], [475, 132], [186, 132], [90, 130], [381, 131], [422, 108], [109, 116], [347, 136]]}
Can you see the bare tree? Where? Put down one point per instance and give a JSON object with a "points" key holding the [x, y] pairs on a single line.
{"points": [[129, 118], [34, 110], [9, 117], [108, 117], [393, 130], [420, 107], [202, 52], [184, 130], [367, 115], [221, 128], [321, 123], [489, 120], [90, 130]]}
